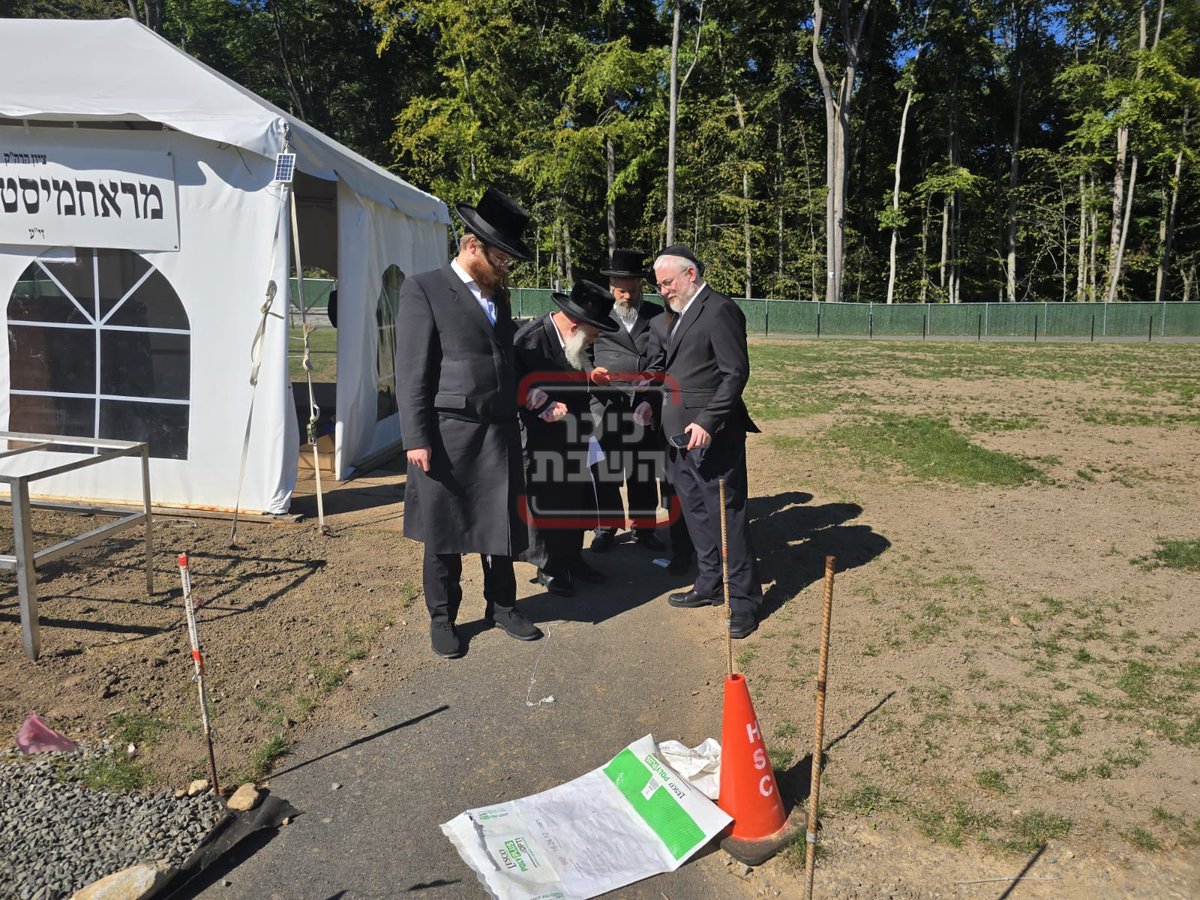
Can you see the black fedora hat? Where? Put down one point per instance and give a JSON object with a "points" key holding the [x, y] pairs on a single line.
{"points": [[684, 252], [498, 220], [589, 303], [627, 264]]}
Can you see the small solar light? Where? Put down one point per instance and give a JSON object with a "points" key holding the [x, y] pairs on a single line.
{"points": [[285, 168]]}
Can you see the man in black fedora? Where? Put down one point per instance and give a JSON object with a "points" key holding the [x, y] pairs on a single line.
{"points": [[457, 391], [700, 345], [633, 454], [556, 382]]}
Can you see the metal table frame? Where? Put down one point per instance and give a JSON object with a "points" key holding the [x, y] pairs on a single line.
{"points": [[26, 559]]}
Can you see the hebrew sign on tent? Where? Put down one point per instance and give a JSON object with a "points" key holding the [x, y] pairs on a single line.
{"points": [[86, 197]]}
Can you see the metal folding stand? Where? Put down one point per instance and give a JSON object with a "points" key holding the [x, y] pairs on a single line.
{"points": [[25, 560]]}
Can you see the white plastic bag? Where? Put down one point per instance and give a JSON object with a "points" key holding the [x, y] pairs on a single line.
{"points": [[701, 765]]}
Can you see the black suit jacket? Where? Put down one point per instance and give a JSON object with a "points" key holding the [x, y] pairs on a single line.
{"points": [[706, 364]]}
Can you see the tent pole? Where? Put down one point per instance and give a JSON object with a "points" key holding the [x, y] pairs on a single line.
{"points": [[314, 411]]}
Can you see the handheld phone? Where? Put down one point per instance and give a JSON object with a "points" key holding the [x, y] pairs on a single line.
{"points": [[679, 440]]}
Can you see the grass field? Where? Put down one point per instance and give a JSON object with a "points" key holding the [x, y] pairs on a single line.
{"points": [[1030, 621]]}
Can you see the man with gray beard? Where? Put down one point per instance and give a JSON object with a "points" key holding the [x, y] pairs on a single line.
{"points": [[555, 380], [633, 454]]}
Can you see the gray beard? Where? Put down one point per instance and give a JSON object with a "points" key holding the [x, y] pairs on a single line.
{"points": [[575, 348], [626, 313]]}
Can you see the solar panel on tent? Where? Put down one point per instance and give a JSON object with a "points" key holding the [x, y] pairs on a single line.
{"points": [[285, 167]]}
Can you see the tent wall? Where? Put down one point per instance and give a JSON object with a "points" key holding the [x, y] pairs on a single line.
{"points": [[371, 239], [232, 241]]}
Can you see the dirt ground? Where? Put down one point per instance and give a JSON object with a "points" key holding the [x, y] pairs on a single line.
{"points": [[1014, 683]]}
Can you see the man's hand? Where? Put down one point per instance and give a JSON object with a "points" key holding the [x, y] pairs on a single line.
{"points": [[535, 398], [419, 457], [641, 384], [553, 412], [599, 376], [643, 415], [698, 438]]}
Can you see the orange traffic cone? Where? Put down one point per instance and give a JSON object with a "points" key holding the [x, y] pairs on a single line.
{"points": [[749, 792]]}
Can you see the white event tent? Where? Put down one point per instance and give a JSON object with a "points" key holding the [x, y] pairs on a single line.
{"points": [[141, 222]]}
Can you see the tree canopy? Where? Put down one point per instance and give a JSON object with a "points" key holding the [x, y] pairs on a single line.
{"points": [[1046, 150]]}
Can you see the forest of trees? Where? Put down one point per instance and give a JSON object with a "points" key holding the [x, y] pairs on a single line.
{"points": [[862, 150]]}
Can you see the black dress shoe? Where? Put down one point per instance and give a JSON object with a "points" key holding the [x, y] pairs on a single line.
{"points": [[603, 541], [555, 584], [584, 572], [692, 598], [444, 639], [649, 540], [680, 564], [513, 624], [741, 626]]}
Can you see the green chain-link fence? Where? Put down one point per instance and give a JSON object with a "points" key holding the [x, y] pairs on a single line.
{"points": [[1027, 320]]}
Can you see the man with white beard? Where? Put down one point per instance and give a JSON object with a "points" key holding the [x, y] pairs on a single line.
{"points": [[700, 346], [555, 380]]}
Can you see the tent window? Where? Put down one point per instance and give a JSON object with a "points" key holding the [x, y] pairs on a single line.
{"points": [[385, 315], [99, 346]]}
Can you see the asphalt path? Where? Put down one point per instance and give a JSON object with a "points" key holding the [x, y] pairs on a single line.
{"points": [[453, 735]]}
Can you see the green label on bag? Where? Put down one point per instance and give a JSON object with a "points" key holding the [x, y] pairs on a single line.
{"points": [[650, 789]]}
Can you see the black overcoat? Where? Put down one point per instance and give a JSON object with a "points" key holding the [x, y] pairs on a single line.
{"points": [[558, 480], [457, 391]]}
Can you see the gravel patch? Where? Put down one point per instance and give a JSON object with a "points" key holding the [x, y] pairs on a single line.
{"points": [[60, 836]]}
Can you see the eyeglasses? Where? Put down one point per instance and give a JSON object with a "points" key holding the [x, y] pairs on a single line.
{"points": [[499, 258], [667, 282]]}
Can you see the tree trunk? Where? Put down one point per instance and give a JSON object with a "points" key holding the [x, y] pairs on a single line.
{"points": [[942, 273], [1081, 262], [925, 252], [1094, 237], [1168, 230], [891, 288], [673, 115], [1118, 233], [566, 238], [837, 141], [1116, 269], [780, 162], [610, 172], [741, 116], [812, 227], [1014, 175]]}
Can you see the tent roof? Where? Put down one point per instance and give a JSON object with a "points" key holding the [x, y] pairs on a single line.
{"points": [[118, 70]]}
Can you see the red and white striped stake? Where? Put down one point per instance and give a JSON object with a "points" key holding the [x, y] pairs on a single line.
{"points": [[189, 608]]}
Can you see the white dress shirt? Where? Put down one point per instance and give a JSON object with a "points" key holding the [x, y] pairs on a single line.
{"points": [[488, 306]]}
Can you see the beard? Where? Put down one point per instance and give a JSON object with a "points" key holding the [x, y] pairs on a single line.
{"points": [[680, 300], [575, 348], [491, 280], [627, 312]]}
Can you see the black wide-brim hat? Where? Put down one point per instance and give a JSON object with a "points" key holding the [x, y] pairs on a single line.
{"points": [[498, 220], [589, 303], [627, 264]]}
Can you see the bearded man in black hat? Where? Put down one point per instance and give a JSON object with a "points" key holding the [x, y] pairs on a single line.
{"points": [[457, 391], [632, 453], [553, 365], [701, 347]]}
